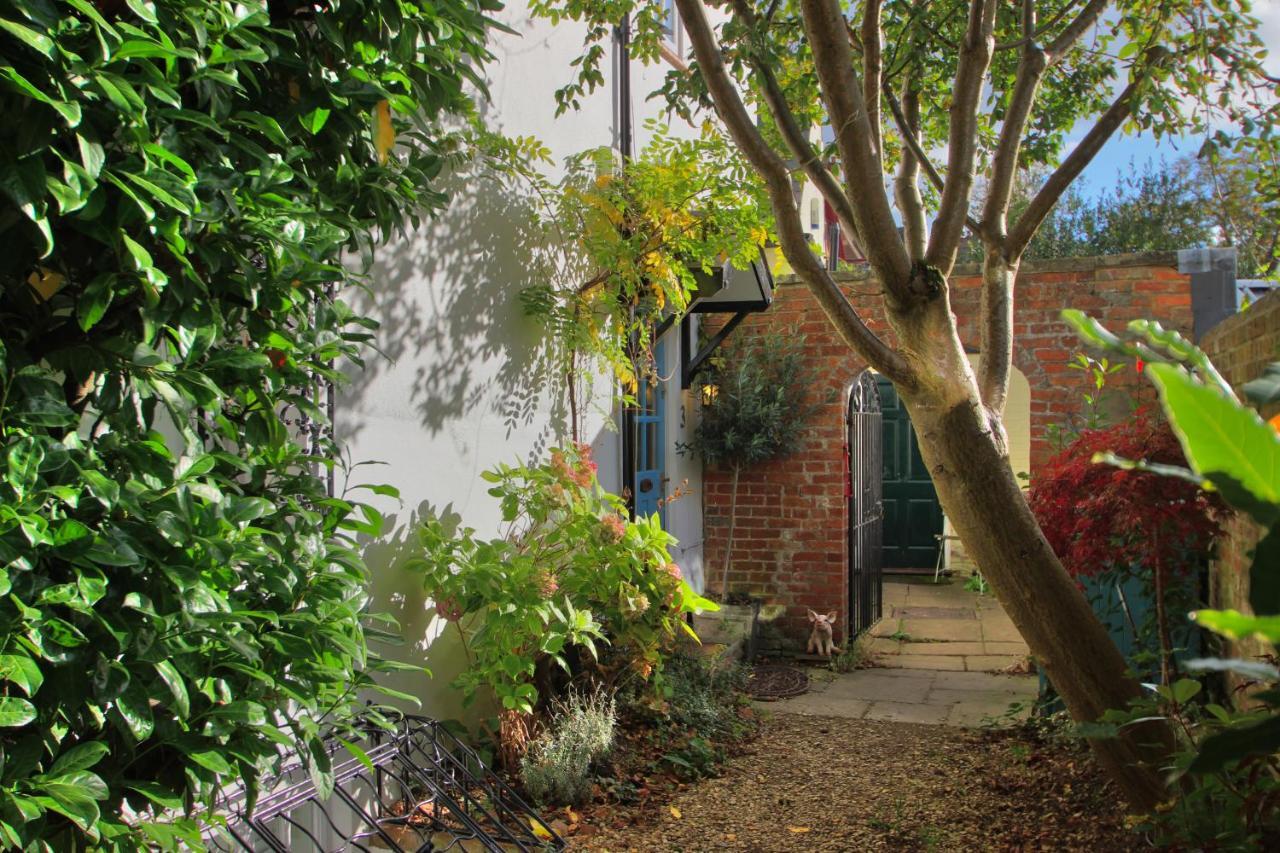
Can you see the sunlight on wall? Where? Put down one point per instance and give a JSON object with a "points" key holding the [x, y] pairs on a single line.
{"points": [[1017, 425]]}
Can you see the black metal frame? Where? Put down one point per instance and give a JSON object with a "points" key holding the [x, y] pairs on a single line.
{"points": [[417, 788], [693, 358], [864, 452]]}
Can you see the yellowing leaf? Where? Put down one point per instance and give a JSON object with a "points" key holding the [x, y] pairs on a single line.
{"points": [[536, 825], [797, 829], [45, 282], [384, 135], [675, 813]]}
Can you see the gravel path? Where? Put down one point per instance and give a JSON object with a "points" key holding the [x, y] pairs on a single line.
{"points": [[817, 783]]}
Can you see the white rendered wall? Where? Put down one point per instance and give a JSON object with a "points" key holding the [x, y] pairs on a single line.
{"points": [[466, 382]]}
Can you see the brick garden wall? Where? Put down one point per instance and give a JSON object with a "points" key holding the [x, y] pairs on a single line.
{"points": [[790, 540], [1241, 347]]}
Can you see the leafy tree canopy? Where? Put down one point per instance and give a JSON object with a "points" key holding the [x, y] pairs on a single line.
{"points": [[1168, 68], [179, 183], [1161, 206]]}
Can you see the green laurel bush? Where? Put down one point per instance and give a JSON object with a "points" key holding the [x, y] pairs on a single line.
{"points": [[181, 597]]}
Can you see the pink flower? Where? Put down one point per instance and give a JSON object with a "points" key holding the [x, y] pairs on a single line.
{"points": [[673, 570], [547, 584], [614, 527], [560, 465]]}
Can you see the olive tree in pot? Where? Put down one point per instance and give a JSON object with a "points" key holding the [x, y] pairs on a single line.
{"points": [[754, 409]]}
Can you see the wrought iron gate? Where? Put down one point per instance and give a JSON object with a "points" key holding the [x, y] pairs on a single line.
{"points": [[864, 451]]}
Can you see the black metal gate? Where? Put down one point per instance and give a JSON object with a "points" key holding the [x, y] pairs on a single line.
{"points": [[865, 453]]}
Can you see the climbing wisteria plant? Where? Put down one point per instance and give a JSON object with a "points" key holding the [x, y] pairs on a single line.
{"points": [[180, 181], [622, 245]]}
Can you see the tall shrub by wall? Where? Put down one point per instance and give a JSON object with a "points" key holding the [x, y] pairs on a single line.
{"points": [[180, 183]]}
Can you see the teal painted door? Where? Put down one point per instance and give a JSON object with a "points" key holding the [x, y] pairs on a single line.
{"points": [[912, 514], [650, 435]]}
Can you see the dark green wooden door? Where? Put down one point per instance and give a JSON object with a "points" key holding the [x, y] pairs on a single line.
{"points": [[912, 514]]}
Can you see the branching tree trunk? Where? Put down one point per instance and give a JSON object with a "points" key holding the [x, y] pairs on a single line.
{"points": [[992, 84], [957, 414]]}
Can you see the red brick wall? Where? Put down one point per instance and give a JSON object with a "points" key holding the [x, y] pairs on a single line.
{"points": [[790, 539], [1241, 347]]}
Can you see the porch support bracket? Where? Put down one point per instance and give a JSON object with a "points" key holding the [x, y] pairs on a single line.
{"points": [[691, 362]]}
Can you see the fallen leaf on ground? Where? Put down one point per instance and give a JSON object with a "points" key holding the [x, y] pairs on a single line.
{"points": [[675, 813], [798, 829]]}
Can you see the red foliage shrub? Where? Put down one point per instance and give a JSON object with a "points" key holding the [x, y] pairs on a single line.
{"points": [[1098, 517]]}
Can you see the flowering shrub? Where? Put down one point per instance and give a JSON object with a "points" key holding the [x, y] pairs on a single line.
{"points": [[1098, 517], [572, 574]]}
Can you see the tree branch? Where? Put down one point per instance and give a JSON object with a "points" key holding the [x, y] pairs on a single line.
{"points": [[773, 171], [797, 137], [906, 185], [872, 63], [1070, 168], [1028, 37], [864, 178], [1002, 256], [975, 58], [798, 143], [1071, 34], [913, 145], [996, 327], [1004, 164]]}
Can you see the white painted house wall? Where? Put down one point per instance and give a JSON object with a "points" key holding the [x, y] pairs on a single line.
{"points": [[465, 383]]}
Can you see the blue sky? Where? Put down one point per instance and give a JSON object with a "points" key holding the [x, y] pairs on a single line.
{"points": [[1122, 152]]}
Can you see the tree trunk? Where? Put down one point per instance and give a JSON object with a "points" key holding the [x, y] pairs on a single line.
{"points": [[728, 543], [964, 446]]}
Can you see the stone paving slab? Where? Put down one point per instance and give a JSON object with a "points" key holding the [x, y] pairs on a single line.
{"points": [[916, 696], [992, 663], [907, 712], [1003, 632], [942, 629], [972, 648], [933, 662], [948, 679], [1004, 648]]}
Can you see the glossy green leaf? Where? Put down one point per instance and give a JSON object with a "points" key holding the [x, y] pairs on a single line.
{"points": [[177, 687], [1223, 441], [81, 757], [32, 39], [15, 711], [1237, 626], [21, 670]]}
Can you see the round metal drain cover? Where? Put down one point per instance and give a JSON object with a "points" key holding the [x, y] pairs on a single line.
{"points": [[771, 681]]}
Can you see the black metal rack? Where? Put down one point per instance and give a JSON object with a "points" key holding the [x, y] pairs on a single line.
{"points": [[421, 789]]}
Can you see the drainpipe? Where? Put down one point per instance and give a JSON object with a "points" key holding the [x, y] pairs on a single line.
{"points": [[623, 35]]}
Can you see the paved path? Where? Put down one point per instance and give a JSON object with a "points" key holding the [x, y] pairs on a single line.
{"points": [[944, 627], [914, 696], [941, 653]]}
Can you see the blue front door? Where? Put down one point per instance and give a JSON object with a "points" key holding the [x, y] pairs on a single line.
{"points": [[650, 406]]}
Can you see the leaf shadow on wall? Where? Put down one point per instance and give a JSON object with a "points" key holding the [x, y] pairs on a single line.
{"points": [[456, 345]]}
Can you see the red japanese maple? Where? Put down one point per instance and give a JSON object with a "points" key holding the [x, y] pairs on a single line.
{"points": [[1098, 517]]}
